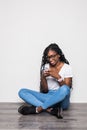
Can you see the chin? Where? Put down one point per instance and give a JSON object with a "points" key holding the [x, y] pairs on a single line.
{"points": [[52, 64]]}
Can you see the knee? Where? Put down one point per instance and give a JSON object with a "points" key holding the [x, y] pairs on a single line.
{"points": [[21, 92], [65, 89]]}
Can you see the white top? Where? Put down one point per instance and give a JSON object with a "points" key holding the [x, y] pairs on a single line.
{"points": [[65, 72]]}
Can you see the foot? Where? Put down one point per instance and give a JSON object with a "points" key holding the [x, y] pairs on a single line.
{"points": [[56, 112], [26, 110], [39, 109], [60, 113]]}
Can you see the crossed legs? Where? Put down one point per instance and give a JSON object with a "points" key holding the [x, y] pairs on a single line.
{"points": [[46, 100]]}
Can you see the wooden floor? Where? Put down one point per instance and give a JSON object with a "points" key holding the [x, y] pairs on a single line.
{"points": [[74, 119]]}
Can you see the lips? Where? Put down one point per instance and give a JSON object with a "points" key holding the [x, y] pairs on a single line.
{"points": [[52, 62]]}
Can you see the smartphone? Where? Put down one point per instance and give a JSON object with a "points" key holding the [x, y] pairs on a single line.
{"points": [[46, 67]]}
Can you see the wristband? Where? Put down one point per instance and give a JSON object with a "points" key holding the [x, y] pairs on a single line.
{"points": [[59, 80]]}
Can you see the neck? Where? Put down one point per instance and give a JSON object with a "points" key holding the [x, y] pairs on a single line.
{"points": [[58, 64]]}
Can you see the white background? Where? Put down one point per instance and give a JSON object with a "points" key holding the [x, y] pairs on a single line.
{"points": [[26, 28]]}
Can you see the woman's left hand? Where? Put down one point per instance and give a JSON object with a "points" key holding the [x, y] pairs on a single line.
{"points": [[52, 72]]}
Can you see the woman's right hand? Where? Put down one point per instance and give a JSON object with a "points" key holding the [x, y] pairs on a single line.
{"points": [[45, 73]]}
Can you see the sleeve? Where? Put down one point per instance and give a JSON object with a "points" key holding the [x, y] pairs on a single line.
{"points": [[68, 71]]}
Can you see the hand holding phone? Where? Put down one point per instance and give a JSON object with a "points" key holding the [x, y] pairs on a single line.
{"points": [[46, 70]]}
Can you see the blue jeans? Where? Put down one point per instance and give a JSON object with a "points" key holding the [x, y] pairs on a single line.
{"points": [[45, 100]]}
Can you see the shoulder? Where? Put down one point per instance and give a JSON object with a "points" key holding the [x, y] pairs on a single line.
{"points": [[66, 70], [67, 66]]}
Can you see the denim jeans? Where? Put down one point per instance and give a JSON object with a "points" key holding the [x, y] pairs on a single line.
{"points": [[45, 100]]}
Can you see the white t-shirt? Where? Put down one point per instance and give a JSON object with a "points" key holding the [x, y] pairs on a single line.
{"points": [[65, 72]]}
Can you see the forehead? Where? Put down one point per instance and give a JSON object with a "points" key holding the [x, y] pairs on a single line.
{"points": [[51, 52]]}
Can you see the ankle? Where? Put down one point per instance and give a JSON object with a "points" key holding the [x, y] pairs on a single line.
{"points": [[49, 109], [39, 109]]}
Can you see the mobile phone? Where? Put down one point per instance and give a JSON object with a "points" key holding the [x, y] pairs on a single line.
{"points": [[46, 67]]}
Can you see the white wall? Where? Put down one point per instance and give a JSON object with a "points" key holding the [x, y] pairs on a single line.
{"points": [[26, 28]]}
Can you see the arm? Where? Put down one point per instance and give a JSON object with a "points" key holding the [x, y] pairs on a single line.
{"points": [[66, 81], [43, 84]]}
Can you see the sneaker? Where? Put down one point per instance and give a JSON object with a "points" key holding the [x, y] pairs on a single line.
{"points": [[26, 110], [60, 113], [57, 112]]}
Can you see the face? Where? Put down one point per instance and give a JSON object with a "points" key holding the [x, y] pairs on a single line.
{"points": [[53, 57]]}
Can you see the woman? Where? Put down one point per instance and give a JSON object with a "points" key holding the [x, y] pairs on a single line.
{"points": [[56, 82]]}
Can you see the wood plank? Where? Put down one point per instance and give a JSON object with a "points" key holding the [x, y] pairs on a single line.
{"points": [[74, 119]]}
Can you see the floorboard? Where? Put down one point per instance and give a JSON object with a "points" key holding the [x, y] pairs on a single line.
{"points": [[74, 119]]}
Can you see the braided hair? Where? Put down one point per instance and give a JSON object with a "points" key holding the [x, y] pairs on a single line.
{"points": [[56, 48]]}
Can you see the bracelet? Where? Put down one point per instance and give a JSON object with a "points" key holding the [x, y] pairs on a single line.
{"points": [[59, 80]]}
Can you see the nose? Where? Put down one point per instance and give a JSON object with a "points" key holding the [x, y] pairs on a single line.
{"points": [[51, 59]]}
